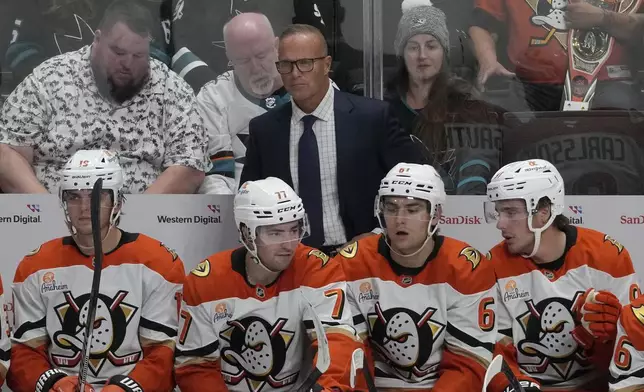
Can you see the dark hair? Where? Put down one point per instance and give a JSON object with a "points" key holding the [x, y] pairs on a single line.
{"points": [[130, 12], [295, 29], [561, 221]]}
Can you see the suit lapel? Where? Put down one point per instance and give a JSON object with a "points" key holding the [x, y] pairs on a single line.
{"points": [[281, 141], [345, 134]]}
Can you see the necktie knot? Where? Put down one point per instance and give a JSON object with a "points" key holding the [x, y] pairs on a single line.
{"points": [[308, 121]]}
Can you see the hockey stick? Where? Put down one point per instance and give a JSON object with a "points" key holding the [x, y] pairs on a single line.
{"points": [[357, 362], [324, 356], [497, 366], [95, 214]]}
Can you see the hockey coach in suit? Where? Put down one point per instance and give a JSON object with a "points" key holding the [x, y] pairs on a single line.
{"points": [[331, 147]]}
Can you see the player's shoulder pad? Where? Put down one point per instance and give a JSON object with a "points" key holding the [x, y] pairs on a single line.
{"points": [[613, 242], [317, 254], [464, 253]]}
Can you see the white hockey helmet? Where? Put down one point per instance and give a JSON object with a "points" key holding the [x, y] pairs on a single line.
{"points": [[529, 180], [85, 167], [416, 181], [266, 202]]}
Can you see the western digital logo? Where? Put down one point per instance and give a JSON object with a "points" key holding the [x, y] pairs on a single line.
{"points": [[576, 215], [212, 218]]}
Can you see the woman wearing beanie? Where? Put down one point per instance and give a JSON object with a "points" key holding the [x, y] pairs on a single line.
{"points": [[461, 134]]}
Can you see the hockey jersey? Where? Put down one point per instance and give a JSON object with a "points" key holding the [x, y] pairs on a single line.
{"points": [[627, 365], [136, 315], [535, 318], [431, 327], [538, 39], [246, 337], [226, 110]]}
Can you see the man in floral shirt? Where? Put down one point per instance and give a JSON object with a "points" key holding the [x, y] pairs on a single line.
{"points": [[108, 95]]}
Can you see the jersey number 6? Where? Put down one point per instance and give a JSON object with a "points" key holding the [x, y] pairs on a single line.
{"points": [[486, 314]]}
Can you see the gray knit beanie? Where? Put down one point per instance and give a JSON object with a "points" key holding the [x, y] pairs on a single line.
{"points": [[421, 17]]}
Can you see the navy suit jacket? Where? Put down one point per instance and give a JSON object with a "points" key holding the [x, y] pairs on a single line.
{"points": [[369, 143]]}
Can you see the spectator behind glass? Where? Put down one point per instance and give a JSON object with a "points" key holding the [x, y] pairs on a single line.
{"points": [[333, 147], [109, 95], [228, 103], [460, 133], [537, 47]]}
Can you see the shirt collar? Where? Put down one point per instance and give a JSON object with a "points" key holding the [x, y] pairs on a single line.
{"points": [[321, 111]]}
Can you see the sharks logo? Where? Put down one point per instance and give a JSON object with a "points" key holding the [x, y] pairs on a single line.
{"points": [[74, 41], [549, 345], [404, 339], [110, 326], [472, 255], [257, 350]]}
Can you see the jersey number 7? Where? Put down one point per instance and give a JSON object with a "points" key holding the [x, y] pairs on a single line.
{"points": [[339, 302]]}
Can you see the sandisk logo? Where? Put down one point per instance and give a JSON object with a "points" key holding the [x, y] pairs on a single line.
{"points": [[34, 207], [631, 220], [461, 220]]}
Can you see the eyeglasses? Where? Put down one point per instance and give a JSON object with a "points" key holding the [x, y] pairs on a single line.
{"points": [[303, 65]]}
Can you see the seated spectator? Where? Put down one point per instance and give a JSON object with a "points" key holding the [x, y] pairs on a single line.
{"points": [[333, 147], [460, 133], [109, 95], [228, 103]]}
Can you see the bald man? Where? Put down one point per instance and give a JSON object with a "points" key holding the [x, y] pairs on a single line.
{"points": [[228, 103]]}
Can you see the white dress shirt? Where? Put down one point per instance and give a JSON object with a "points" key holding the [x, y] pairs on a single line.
{"points": [[324, 129]]}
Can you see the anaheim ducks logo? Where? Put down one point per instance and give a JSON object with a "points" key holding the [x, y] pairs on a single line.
{"points": [[171, 251], [320, 255], [110, 327], [404, 339], [620, 247], [257, 350], [548, 339], [472, 255]]}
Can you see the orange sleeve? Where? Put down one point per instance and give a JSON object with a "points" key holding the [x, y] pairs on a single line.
{"points": [[459, 373], [194, 377], [27, 365], [338, 374], [509, 353], [152, 373]]}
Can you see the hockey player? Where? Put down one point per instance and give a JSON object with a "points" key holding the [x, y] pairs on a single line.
{"points": [[244, 319], [560, 285], [428, 300], [132, 346], [626, 372]]}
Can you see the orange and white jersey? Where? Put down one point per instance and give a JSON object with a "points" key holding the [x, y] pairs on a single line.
{"points": [[430, 327], [136, 315], [238, 336], [627, 364], [535, 319]]}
